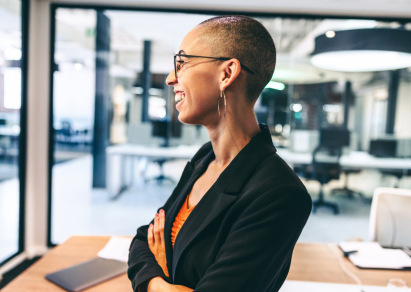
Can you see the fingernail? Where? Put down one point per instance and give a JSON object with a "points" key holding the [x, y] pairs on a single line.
{"points": [[161, 211]]}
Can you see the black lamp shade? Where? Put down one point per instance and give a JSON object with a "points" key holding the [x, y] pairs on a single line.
{"points": [[381, 39], [362, 50]]}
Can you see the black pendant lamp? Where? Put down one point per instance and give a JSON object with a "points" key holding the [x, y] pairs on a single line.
{"points": [[363, 50]]}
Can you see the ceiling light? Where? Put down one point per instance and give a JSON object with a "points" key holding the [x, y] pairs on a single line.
{"points": [[330, 34], [297, 107], [363, 50], [78, 66]]}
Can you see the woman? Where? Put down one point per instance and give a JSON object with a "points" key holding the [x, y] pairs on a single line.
{"points": [[233, 219]]}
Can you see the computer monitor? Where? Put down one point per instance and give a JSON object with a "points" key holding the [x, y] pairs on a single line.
{"points": [[166, 129], [335, 136], [383, 147]]}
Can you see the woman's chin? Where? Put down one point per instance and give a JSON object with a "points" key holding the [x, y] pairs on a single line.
{"points": [[185, 119]]}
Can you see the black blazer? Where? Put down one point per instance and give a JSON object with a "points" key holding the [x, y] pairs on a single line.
{"points": [[241, 234]]}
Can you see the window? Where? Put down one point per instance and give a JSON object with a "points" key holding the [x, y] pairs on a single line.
{"points": [[11, 222]]}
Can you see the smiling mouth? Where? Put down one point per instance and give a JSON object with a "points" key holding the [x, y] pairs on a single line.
{"points": [[179, 96]]}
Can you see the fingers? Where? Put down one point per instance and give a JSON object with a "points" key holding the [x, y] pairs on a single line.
{"points": [[161, 223], [150, 237], [155, 239], [156, 231]]}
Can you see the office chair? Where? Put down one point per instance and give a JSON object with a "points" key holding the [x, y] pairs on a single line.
{"points": [[386, 148], [390, 217], [345, 189], [325, 167]]}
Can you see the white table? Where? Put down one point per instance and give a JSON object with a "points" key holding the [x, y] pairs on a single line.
{"points": [[353, 159], [121, 160], [8, 137], [10, 131], [361, 159]]}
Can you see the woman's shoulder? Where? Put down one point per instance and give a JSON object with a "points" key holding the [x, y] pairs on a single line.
{"points": [[274, 175]]}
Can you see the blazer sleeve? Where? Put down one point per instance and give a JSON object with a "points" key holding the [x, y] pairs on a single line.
{"points": [[257, 252], [142, 265]]}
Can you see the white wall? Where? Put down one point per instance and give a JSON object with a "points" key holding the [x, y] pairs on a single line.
{"points": [[73, 88], [403, 114]]}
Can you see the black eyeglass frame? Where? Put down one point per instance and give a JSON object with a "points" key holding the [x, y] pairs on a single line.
{"points": [[214, 58]]}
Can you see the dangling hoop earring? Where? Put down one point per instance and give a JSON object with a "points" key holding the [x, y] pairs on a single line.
{"points": [[222, 95]]}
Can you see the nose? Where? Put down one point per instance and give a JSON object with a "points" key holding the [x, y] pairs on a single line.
{"points": [[171, 79]]}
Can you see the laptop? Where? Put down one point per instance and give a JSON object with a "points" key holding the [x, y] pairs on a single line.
{"points": [[87, 274]]}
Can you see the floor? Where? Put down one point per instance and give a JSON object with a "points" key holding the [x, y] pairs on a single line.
{"points": [[78, 209]]}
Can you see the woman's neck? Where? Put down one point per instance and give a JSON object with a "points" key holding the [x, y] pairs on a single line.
{"points": [[231, 135]]}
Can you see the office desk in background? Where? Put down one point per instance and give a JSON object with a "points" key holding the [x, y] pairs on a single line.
{"points": [[8, 131], [353, 159], [121, 160], [9, 136], [311, 262]]}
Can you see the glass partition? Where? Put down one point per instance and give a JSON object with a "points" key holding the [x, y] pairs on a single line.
{"points": [[109, 97], [10, 105]]}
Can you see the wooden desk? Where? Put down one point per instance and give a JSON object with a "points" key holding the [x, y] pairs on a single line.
{"points": [[311, 262], [75, 250], [318, 262]]}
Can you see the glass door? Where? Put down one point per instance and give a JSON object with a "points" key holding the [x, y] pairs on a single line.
{"points": [[10, 117]]}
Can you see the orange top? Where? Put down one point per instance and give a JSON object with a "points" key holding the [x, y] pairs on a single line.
{"points": [[180, 219]]}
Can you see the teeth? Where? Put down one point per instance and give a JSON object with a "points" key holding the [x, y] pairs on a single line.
{"points": [[179, 96]]}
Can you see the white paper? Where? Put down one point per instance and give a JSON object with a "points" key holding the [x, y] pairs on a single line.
{"points": [[302, 286], [384, 259], [372, 255], [348, 246], [116, 249]]}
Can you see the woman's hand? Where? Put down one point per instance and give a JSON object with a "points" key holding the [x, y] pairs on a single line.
{"points": [[158, 284], [156, 243]]}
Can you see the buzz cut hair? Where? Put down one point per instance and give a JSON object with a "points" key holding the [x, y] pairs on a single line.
{"points": [[247, 40]]}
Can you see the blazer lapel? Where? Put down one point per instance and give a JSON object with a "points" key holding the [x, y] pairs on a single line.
{"points": [[222, 194], [210, 207], [172, 212], [191, 173]]}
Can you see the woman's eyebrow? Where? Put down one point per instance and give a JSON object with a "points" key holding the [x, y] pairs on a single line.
{"points": [[181, 52]]}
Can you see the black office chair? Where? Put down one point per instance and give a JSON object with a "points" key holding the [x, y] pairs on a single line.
{"points": [[324, 168], [385, 148]]}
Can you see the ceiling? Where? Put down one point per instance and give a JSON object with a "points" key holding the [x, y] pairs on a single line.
{"points": [[293, 36], [294, 39], [352, 8]]}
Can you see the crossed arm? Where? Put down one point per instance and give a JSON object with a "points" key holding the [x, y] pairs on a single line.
{"points": [[255, 262], [156, 243]]}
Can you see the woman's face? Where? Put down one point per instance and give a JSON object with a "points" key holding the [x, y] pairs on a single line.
{"points": [[197, 86]]}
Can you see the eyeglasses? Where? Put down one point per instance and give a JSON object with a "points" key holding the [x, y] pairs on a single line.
{"points": [[178, 64]]}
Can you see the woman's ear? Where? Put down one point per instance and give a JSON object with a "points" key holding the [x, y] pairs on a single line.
{"points": [[231, 70]]}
